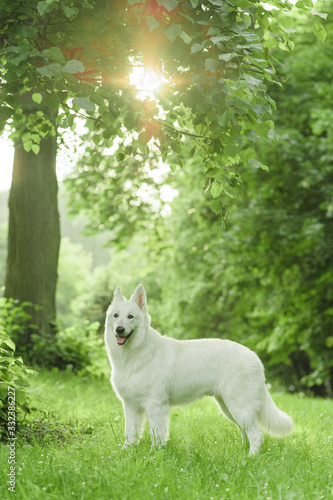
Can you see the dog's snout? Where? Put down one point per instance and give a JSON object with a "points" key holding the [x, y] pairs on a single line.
{"points": [[120, 329]]}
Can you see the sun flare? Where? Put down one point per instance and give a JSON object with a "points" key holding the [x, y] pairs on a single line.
{"points": [[146, 80]]}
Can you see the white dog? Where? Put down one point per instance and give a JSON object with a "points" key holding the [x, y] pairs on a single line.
{"points": [[151, 372]]}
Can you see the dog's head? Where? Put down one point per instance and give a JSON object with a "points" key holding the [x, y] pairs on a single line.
{"points": [[127, 318]]}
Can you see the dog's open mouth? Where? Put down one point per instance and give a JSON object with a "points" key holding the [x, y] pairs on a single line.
{"points": [[122, 340]]}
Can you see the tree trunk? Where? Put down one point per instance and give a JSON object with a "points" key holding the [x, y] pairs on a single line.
{"points": [[34, 233]]}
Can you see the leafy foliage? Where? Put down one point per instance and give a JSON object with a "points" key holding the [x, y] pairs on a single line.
{"points": [[298, 200], [117, 195], [16, 319], [74, 59], [75, 348], [14, 392]]}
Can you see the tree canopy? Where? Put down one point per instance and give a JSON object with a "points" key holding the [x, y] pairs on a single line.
{"points": [[75, 58]]}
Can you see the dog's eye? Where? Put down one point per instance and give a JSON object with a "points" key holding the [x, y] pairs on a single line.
{"points": [[130, 316], [115, 315]]}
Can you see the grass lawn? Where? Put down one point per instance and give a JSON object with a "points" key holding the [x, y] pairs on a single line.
{"points": [[76, 451]]}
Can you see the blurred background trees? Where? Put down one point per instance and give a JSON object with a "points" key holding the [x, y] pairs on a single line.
{"points": [[266, 279]]}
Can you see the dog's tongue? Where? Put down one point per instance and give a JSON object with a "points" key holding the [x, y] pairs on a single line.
{"points": [[121, 340]]}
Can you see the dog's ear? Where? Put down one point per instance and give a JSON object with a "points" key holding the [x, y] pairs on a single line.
{"points": [[139, 297], [118, 296]]}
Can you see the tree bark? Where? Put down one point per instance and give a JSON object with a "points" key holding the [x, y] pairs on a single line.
{"points": [[34, 233]]}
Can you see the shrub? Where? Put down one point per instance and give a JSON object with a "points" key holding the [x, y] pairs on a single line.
{"points": [[82, 349], [16, 320], [74, 348], [13, 387], [78, 349]]}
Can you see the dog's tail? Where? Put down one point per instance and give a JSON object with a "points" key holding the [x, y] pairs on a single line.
{"points": [[272, 420]]}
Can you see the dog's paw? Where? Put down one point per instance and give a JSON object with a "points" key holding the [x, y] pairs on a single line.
{"points": [[158, 445], [129, 446]]}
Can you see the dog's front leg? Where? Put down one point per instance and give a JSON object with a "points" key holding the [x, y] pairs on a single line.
{"points": [[134, 421], [158, 417]]}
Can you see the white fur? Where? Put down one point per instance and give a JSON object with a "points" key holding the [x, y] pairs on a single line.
{"points": [[151, 372]]}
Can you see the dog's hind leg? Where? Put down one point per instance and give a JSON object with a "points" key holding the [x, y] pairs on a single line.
{"points": [[254, 436], [247, 423], [226, 412], [224, 409], [134, 422]]}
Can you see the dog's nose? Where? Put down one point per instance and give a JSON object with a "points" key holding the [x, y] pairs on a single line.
{"points": [[120, 329]]}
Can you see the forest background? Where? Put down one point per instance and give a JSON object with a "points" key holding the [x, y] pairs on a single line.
{"points": [[263, 277]]}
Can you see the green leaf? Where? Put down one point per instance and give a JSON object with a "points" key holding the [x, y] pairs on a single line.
{"points": [[223, 119], [50, 70], [196, 47], [231, 150], [216, 189], [20, 396], [256, 164], [187, 39], [21, 382], [247, 154], [97, 99], [83, 102], [152, 22], [35, 148], [272, 135], [45, 7], [54, 54], [253, 83], [271, 42], [320, 14], [4, 392], [177, 147], [120, 156], [320, 32], [170, 4], [9, 343], [305, 4], [287, 21], [216, 206], [172, 32], [37, 97], [263, 128], [73, 66], [228, 56], [212, 65], [260, 109], [144, 138], [5, 112], [194, 3], [68, 11], [27, 145], [52, 101]]}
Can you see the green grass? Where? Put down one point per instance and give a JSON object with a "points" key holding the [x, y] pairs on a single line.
{"points": [[76, 451]]}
